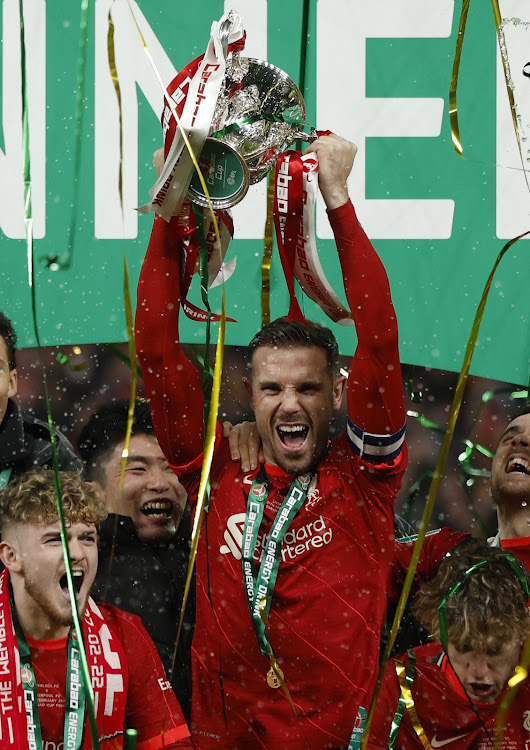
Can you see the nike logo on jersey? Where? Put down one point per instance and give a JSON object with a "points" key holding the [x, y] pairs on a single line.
{"points": [[440, 743]]}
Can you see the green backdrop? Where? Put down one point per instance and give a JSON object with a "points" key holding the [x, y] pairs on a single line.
{"points": [[377, 74]]}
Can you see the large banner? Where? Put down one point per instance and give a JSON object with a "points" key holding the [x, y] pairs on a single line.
{"points": [[378, 73]]}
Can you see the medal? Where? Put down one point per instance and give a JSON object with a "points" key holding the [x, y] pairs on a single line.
{"points": [[272, 678]]}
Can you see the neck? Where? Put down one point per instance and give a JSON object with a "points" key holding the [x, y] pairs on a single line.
{"points": [[34, 622], [41, 631], [513, 523]]}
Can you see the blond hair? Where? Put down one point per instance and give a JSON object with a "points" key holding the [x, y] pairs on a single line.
{"points": [[32, 498], [488, 609]]}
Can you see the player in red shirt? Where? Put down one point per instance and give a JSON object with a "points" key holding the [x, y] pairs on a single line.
{"points": [[510, 491], [332, 555], [510, 488], [43, 696], [450, 695]]}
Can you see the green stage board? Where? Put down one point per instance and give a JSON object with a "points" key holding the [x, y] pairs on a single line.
{"points": [[377, 73]]}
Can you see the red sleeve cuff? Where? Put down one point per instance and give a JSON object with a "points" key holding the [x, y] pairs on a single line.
{"points": [[342, 212]]}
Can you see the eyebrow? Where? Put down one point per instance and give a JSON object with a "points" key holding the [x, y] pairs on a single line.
{"points": [[275, 384], [140, 459], [50, 534]]}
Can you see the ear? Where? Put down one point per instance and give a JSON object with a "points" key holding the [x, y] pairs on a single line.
{"points": [[13, 383], [10, 557], [339, 385], [248, 388]]}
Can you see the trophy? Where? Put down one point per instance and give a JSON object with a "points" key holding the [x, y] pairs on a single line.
{"points": [[259, 113]]}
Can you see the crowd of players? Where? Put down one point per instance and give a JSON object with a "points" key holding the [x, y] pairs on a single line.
{"points": [[296, 561]]}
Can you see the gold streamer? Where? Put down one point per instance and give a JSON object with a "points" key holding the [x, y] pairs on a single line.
{"points": [[132, 357], [171, 105], [209, 444], [509, 91], [409, 704], [453, 107], [436, 479], [514, 685], [218, 365], [267, 253], [114, 74], [129, 319], [209, 441]]}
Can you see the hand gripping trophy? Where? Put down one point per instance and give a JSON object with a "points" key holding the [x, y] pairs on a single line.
{"points": [[234, 117]]}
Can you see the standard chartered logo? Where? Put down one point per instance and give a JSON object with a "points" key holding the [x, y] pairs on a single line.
{"points": [[296, 541]]}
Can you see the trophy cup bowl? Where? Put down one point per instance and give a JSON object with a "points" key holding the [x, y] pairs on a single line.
{"points": [[260, 112]]}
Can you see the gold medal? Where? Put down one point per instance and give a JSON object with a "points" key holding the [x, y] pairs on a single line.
{"points": [[272, 678]]}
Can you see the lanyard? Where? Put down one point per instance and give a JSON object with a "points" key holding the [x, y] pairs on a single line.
{"points": [[75, 693], [4, 477], [260, 583]]}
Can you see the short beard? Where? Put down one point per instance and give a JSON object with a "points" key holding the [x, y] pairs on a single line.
{"points": [[310, 468]]}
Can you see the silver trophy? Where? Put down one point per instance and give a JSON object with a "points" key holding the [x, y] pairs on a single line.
{"points": [[260, 112]]}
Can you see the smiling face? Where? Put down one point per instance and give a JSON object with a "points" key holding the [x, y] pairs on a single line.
{"points": [[33, 553], [152, 494], [510, 469], [8, 379], [485, 676], [293, 396]]}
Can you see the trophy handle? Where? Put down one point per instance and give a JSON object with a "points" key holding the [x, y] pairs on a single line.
{"points": [[224, 31], [300, 135]]}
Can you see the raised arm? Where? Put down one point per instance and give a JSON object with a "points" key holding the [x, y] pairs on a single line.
{"points": [[173, 385], [376, 407]]}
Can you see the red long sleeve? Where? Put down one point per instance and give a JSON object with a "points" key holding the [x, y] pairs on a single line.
{"points": [[375, 386], [172, 383]]}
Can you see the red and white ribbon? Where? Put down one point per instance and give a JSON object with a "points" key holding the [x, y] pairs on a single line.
{"points": [[294, 211], [196, 91]]}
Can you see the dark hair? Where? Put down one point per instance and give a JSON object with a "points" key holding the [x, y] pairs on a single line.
{"points": [[106, 428], [488, 609], [7, 332], [283, 334]]}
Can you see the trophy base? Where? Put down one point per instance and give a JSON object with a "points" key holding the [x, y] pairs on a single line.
{"points": [[225, 174]]}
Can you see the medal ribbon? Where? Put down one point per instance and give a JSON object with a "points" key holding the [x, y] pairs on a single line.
{"points": [[75, 692], [260, 584]]}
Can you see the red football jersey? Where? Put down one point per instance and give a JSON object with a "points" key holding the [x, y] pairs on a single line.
{"points": [[444, 712], [435, 546], [330, 596], [519, 548], [150, 705]]}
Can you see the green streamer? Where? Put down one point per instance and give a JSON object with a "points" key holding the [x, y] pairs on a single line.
{"points": [[28, 223], [54, 261]]}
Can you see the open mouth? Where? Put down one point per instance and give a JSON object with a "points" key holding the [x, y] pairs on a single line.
{"points": [[518, 465], [158, 509], [481, 689], [293, 436], [77, 577]]}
